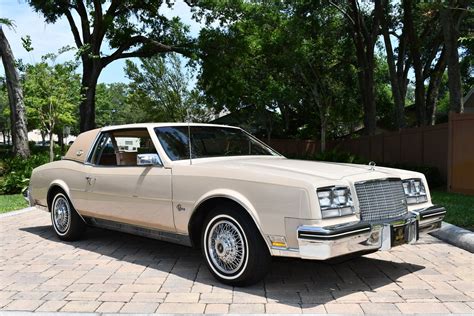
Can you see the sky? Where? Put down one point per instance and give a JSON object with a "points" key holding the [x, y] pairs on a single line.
{"points": [[48, 38]]}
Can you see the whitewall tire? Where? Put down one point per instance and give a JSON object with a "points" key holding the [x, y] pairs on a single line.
{"points": [[233, 248], [67, 224]]}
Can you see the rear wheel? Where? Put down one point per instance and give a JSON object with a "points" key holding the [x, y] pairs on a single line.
{"points": [[234, 249], [67, 224]]}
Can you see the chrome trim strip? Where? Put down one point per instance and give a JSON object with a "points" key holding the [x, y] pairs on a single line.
{"points": [[379, 179], [435, 214], [141, 231], [305, 234]]}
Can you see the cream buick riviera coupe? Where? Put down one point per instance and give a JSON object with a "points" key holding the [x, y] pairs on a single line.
{"points": [[218, 188]]}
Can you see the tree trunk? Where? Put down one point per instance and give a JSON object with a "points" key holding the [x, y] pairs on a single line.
{"points": [[451, 36], [370, 118], [323, 132], [403, 65], [417, 63], [51, 145], [15, 96], [91, 70], [397, 98], [436, 76], [61, 140], [364, 41]]}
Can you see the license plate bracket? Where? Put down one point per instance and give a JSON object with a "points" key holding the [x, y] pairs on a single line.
{"points": [[399, 235]]}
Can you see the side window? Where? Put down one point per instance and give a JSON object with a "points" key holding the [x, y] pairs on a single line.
{"points": [[121, 147], [103, 153]]}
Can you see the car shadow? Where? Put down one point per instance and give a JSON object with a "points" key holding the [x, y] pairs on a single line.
{"points": [[293, 282]]}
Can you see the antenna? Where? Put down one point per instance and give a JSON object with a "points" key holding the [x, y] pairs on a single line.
{"points": [[189, 137]]}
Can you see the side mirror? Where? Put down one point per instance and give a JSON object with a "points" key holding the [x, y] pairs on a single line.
{"points": [[148, 160]]}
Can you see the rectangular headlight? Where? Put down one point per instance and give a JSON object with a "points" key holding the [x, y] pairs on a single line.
{"points": [[415, 191], [335, 201]]}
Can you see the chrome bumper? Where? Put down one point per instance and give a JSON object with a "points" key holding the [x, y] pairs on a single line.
{"points": [[27, 196], [332, 241]]}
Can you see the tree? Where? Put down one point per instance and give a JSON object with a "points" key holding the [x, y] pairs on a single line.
{"points": [[451, 17], [364, 28], [4, 113], [131, 28], [415, 52], [112, 106], [398, 96], [288, 58], [15, 95], [160, 90], [53, 92]]}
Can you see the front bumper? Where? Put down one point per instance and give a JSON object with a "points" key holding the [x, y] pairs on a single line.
{"points": [[332, 241]]}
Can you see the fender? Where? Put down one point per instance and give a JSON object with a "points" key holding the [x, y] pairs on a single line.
{"points": [[65, 188], [239, 199]]}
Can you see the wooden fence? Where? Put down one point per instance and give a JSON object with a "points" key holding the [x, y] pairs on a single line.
{"points": [[449, 147], [461, 153]]}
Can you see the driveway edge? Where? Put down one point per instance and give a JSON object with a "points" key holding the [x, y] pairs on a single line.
{"points": [[13, 213], [456, 236]]}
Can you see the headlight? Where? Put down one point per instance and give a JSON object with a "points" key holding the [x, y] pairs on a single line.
{"points": [[335, 201], [414, 191]]}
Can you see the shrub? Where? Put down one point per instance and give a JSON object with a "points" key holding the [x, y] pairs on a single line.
{"points": [[432, 174], [17, 171], [333, 155]]}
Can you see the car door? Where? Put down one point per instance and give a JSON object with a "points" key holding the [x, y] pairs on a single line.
{"points": [[119, 190]]}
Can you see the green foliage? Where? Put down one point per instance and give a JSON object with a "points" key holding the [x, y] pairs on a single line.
{"points": [[51, 95], [17, 171], [336, 155], [4, 109], [432, 174], [112, 107], [159, 91], [333, 155], [276, 61]]}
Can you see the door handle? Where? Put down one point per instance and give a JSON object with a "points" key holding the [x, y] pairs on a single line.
{"points": [[89, 180]]}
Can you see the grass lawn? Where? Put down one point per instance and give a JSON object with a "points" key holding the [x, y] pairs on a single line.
{"points": [[12, 202], [459, 208]]}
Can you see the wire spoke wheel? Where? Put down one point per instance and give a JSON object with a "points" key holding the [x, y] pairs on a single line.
{"points": [[61, 214], [225, 246]]}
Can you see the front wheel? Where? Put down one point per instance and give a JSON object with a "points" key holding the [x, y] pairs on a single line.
{"points": [[234, 249], [67, 224]]}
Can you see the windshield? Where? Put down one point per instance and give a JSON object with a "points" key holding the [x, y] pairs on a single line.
{"points": [[209, 141]]}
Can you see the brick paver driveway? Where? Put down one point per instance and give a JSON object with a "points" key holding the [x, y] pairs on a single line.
{"points": [[115, 272]]}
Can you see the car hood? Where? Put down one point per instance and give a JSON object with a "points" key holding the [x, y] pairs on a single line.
{"points": [[279, 166]]}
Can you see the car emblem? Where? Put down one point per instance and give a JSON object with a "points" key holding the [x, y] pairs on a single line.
{"points": [[372, 165]]}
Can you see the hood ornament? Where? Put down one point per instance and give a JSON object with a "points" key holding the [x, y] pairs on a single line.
{"points": [[372, 165]]}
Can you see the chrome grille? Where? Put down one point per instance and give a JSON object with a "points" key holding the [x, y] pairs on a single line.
{"points": [[381, 199]]}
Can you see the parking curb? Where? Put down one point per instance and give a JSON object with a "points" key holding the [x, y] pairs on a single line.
{"points": [[457, 236]]}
